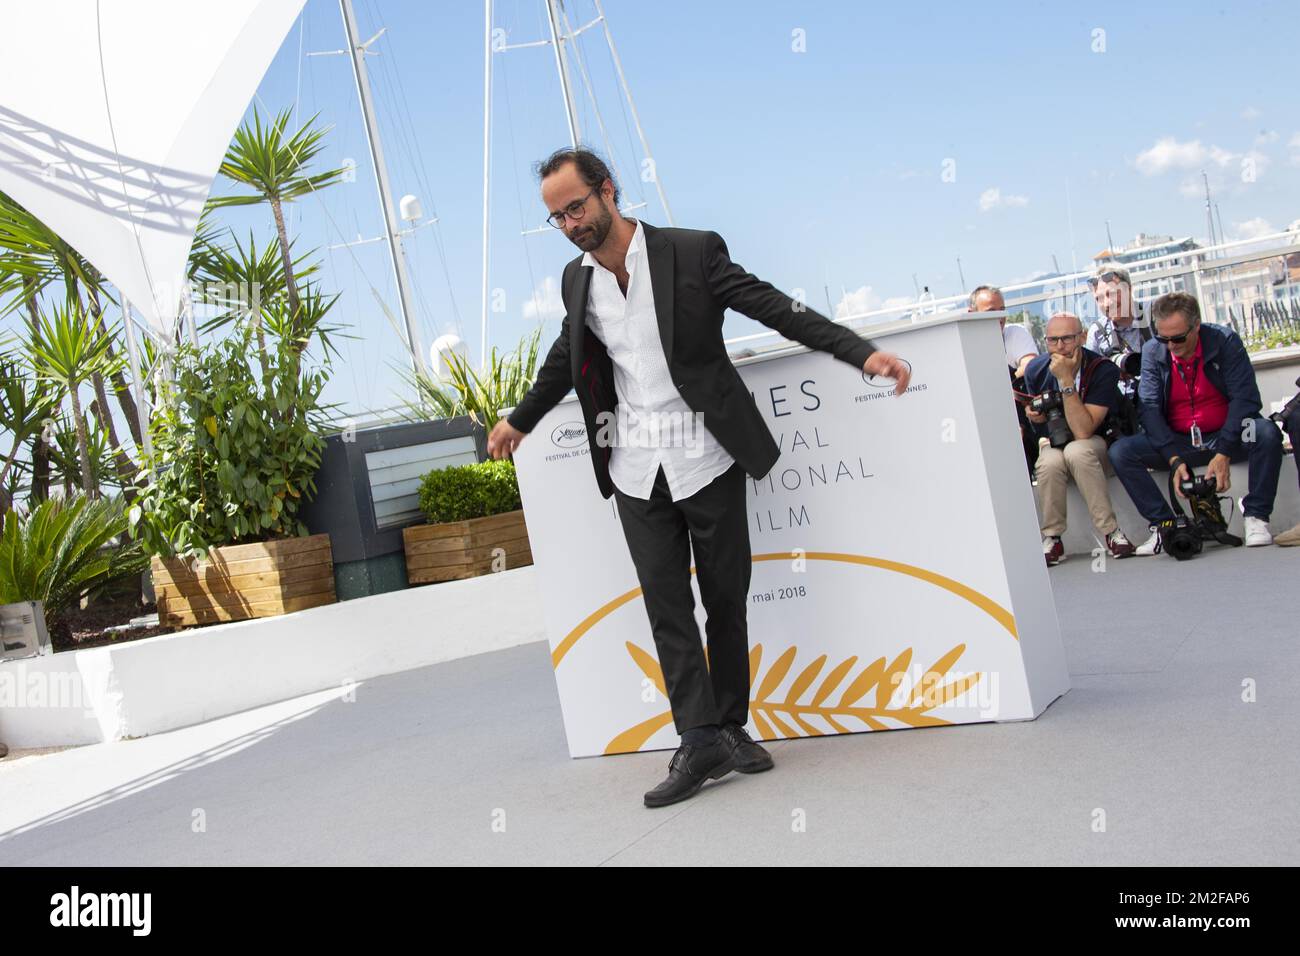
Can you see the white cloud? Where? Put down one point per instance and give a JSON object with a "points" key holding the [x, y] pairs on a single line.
{"points": [[1168, 154], [992, 198], [1221, 157], [1253, 228], [545, 302], [867, 299], [862, 299], [1250, 113], [1265, 137]]}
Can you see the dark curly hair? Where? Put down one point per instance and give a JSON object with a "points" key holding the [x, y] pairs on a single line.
{"points": [[591, 167]]}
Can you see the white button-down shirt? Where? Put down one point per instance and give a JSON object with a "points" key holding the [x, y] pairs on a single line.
{"points": [[654, 425]]}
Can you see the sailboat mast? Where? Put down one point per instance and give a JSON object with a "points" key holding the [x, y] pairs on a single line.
{"points": [[487, 169], [357, 51], [562, 66]]}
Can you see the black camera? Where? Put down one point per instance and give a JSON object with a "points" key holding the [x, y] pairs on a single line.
{"points": [[1179, 537], [1182, 535], [1198, 486], [1051, 405]]}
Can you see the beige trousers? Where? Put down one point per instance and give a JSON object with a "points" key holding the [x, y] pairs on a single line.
{"points": [[1086, 461]]}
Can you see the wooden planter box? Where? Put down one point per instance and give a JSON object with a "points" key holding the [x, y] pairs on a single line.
{"points": [[244, 581], [464, 549]]}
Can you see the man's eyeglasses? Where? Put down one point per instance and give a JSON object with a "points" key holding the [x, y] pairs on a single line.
{"points": [[574, 210], [1176, 339], [1062, 339]]}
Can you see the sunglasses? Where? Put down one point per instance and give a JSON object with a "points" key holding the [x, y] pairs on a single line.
{"points": [[1175, 339], [1107, 277]]}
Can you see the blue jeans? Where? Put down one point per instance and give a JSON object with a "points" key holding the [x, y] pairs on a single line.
{"points": [[1132, 456]]}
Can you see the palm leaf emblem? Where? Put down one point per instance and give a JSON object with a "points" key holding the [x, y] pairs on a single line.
{"points": [[790, 716]]}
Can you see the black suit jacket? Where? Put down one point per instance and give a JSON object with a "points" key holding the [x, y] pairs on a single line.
{"points": [[693, 281]]}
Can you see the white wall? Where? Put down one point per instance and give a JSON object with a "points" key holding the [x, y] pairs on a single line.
{"points": [[161, 683]]}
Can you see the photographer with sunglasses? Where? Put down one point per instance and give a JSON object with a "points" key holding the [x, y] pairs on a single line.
{"points": [[1200, 405], [1120, 327]]}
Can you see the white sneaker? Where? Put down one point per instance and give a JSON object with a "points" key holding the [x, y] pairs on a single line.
{"points": [[1257, 533], [1151, 546]]}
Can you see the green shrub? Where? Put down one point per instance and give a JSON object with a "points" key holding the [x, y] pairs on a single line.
{"points": [[64, 547], [236, 449], [470, 491], [1278, 338]]}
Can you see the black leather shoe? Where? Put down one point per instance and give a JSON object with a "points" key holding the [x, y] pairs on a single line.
{"points": [[690, 767], [749, 756]]}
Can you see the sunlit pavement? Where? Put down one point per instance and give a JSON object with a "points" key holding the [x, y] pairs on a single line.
{"points": [[1152, 758]]}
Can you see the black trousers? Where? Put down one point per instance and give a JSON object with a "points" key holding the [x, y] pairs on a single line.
{"points": [[660, 533]]}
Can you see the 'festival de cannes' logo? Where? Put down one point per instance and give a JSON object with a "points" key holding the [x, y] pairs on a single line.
{"points": [[881, 381], [569, 435]]}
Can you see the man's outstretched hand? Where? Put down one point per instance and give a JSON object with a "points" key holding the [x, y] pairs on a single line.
{"points": [[890, 366], [504, 439]]}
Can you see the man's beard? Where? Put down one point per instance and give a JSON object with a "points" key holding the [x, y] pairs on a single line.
{"points": [[591, 235]]}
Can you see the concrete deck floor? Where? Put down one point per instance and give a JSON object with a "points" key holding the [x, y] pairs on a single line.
{"points": [[417, 768]]}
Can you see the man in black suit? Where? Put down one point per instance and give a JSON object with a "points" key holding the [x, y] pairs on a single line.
{"points": [[642, 343]]}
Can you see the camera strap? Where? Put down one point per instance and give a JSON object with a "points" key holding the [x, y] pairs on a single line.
{"points": [[1086, 377], [1209, 523]]}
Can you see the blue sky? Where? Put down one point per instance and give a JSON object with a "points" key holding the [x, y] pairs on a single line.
{"points": [[821, 166]]}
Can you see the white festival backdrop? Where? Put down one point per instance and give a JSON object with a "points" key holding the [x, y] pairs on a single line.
{"points": [[898, 578]]}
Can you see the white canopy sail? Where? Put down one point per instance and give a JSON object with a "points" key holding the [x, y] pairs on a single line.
{"points": [[115, 116]]}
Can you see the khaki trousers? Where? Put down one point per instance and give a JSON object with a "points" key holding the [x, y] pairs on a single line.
{"points": [[1086, 461]]}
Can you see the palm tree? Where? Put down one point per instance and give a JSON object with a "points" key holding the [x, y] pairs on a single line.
{"points": [[33, 256], [261, 158], [67, 351], [24, 407], [243, 283]]}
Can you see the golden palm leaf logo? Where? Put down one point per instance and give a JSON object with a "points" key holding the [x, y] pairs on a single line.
{"points": [[788, 717]]}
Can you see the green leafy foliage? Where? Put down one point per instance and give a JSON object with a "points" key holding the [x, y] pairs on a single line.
{"points": [[235, 449], [470, 491], [1275, 338], [502, 384], [62, 548]]}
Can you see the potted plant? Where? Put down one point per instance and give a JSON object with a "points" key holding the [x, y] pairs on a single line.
{"points": [[236, 443], [476, 524], [238, 434], [59, 549]]}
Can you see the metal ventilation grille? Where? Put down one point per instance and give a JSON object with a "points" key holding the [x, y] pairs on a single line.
{"points": [[395, 474]]}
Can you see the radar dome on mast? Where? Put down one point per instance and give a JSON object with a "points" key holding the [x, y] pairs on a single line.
{"points": [[442, 349]]}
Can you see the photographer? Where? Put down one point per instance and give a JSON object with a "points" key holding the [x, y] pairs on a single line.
{"points": [[1200, 405], [1289, 420], [1120, 332], [1019, 346], [1121, 326], [1076, 391]]}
